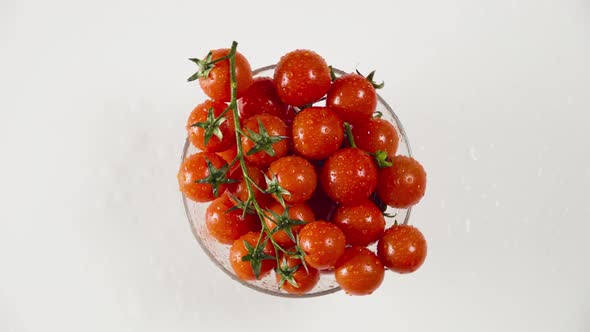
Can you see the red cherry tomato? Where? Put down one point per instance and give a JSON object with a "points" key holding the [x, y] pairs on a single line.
{"points": [[349, 176], [299, 212], [359, 271], [402, 248], [240, 190], [197, 134], [403, 184], [226, 226], [317, 132], [302, 77], [229, 155], [295, 175], [274, 126], [216, 85], [305, 280], [376, 135], [362, 224], [353, 97], [323, 243], [193, 169], [260, 98], [243, 269]]}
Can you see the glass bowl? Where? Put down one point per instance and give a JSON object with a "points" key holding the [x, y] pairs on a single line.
{"points": [[219, 253]]}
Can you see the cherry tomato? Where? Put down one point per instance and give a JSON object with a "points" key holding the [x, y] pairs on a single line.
{"points": [[226, 128], [271, 147], [193, 169], [323, 243], [305, 280], [362, 224], [297, 212], [302, 77], [359, 271], [353, 97], [216, 85], [243, 269], [402, 248], [376, 135], [240, 190], [317, 132], [260, 98], [349, 176], [295, 175], [403, 184], [226, 226]]}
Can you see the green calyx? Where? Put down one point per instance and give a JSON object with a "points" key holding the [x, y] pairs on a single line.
{"points": [[382, 159], [255, 256], [262, 141], [286, 273], [284, 222], [216, 177], [205, 66], [332, 74], [211, 125], [273, 187], [247, 207], [370, 79]]}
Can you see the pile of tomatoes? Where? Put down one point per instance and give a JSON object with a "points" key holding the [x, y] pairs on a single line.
{"points": [[296, 188]]}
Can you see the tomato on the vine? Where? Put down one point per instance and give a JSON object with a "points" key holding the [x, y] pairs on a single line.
{"points": [[317, 132], [261, 97], [362, 223], [359, 271], [293, 179], [323, 243], [403, 184], [353, 97], [289, 223], [196, 180], [226, 226], [265, 139], [243, 259], [240, 189], [291, 270], [215, 78], [302, 77], [349, 176], [376, 135], [402, 248], [204, 124]]}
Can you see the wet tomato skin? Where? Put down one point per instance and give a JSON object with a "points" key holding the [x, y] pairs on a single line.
{"points": [[323, 243], [376, 135], [229, 155], [317, 132], [194, 168], [296, 175], [306, 280], [359, 271], [261, 97], [275, 127], [197, 134], [296, 211], [301, 77], [226, 226], [243, 269], [402, 248], [217, 84], [349, 176], [362, 223], [403, 184], [240, 190], [353, 97]]}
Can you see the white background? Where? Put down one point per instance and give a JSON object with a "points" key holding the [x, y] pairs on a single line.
{"points": [[494, 95]]}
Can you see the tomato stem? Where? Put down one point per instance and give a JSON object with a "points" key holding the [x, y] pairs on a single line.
{"points": [[348, 129]]}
